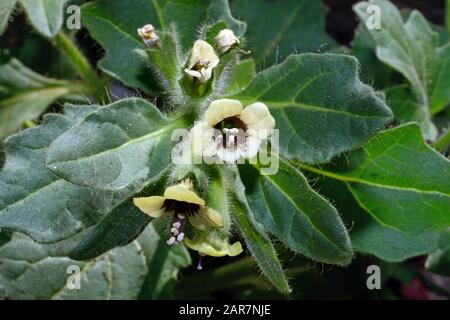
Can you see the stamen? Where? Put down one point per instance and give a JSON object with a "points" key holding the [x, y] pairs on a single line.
{"points": [[199, 264], [177, 225], [180, 237], [171, 241], [175, 231], [180, 216]]}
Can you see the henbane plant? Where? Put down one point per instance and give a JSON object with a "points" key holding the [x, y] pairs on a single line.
{"points": [[100, 180]]}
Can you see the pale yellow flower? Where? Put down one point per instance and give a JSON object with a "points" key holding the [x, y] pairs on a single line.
{"points": [[213, 245], [231, 131], [181, 201], [203, 60]]}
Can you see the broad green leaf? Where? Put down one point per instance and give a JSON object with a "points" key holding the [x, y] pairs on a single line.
{"points": [[163, 261], [258, 243], [114, 24], [311, 97], [368, 235], [32, 271], [439, 261], [35, 201], [119, 227], [278, 28], [6, 9], [399, 180], [46, 16], [26, 95], [411, 48], [122, 145], [293, 212]]}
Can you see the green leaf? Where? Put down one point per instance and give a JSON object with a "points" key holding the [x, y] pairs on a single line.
{"points": [[403, 103], [163, 261], [278, 28], [303, 220], [114, 25], [411, 48], [6, 9], [36, 272], [311, 96], [258, 243], [26, 95], [373, 71], [120, 146], [120, 227], [46, 16], [220, 10], [240, 77], [399, 180], [368, 235], [439, 262], [35, 201]]}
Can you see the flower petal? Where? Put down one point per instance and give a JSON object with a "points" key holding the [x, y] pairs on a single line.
{"points": [[222, 109], [193, 73], [257, 116], [201, 51], [202, 141], [206, 218], [214, 247], [150, 205], [180, 192]]}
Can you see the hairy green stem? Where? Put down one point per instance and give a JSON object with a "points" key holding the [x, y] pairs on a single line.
{"points": [[443, 142], [94, 83]]}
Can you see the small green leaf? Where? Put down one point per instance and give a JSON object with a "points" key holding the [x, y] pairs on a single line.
{"points": [[439, 262], [310, 97], [303, 220], [36, 272], [46, 16], [35, 201], [258, 243], [6, 9], [26, 95], [399, 180], [163, 261], [411, 48], [122, 145], [278, 28]]}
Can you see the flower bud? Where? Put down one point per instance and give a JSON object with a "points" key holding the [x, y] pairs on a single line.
{"points": [[148, 35], [225, 40]]}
